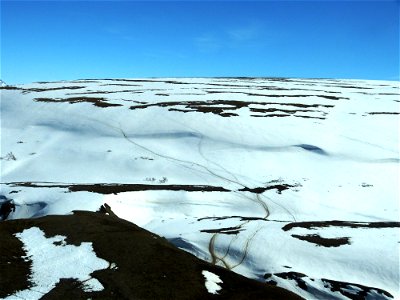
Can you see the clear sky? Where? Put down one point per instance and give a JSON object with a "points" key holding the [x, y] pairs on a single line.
{"points": [[55, 40]]}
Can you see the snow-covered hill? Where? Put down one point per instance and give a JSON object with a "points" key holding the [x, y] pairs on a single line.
{"points": [[289, 181]]}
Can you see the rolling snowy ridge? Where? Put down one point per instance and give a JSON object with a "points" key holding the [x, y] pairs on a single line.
{"points": [[293, 182]]}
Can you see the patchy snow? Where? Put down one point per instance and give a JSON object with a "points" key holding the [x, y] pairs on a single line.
{"points": [[212, 281], [332, 145], [52, 259]]}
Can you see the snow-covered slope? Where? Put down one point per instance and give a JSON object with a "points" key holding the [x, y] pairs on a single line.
{"points": [[288, 181]]}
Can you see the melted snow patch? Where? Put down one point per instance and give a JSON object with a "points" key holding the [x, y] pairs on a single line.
{"points": [[212, 281], [52, 259]]}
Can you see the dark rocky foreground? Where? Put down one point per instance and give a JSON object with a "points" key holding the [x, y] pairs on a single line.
{"points": [[148, 267]]}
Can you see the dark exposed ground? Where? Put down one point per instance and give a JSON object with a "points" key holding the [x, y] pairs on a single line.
{"points": [[321, 241], [212, 106], [278, 187], [148, 267], [321, 224], [226, 230], [224, 108], [100, 102], [384, 113], [115, 188]]}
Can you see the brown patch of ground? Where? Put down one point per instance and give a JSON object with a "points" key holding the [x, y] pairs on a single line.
{"points": [[204, 109], [271, 116], [219, 107], [151, 80], [14, 269], [278, 187], [115, 188], [225, 230], [28, 90], [296, 276], [321, 224], [325, 242], [100, 102], [289, 111], [384, 113], [242, 218], [147, 266], [309, 117], [9, 87], [232, 104], [71, 288]]}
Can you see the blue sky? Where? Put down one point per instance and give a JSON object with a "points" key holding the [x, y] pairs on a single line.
{"points": [[55, 40]]}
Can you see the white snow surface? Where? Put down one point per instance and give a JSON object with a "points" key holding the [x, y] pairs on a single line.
{"points": [[333, 143], [52, 259], [212, 281]]}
